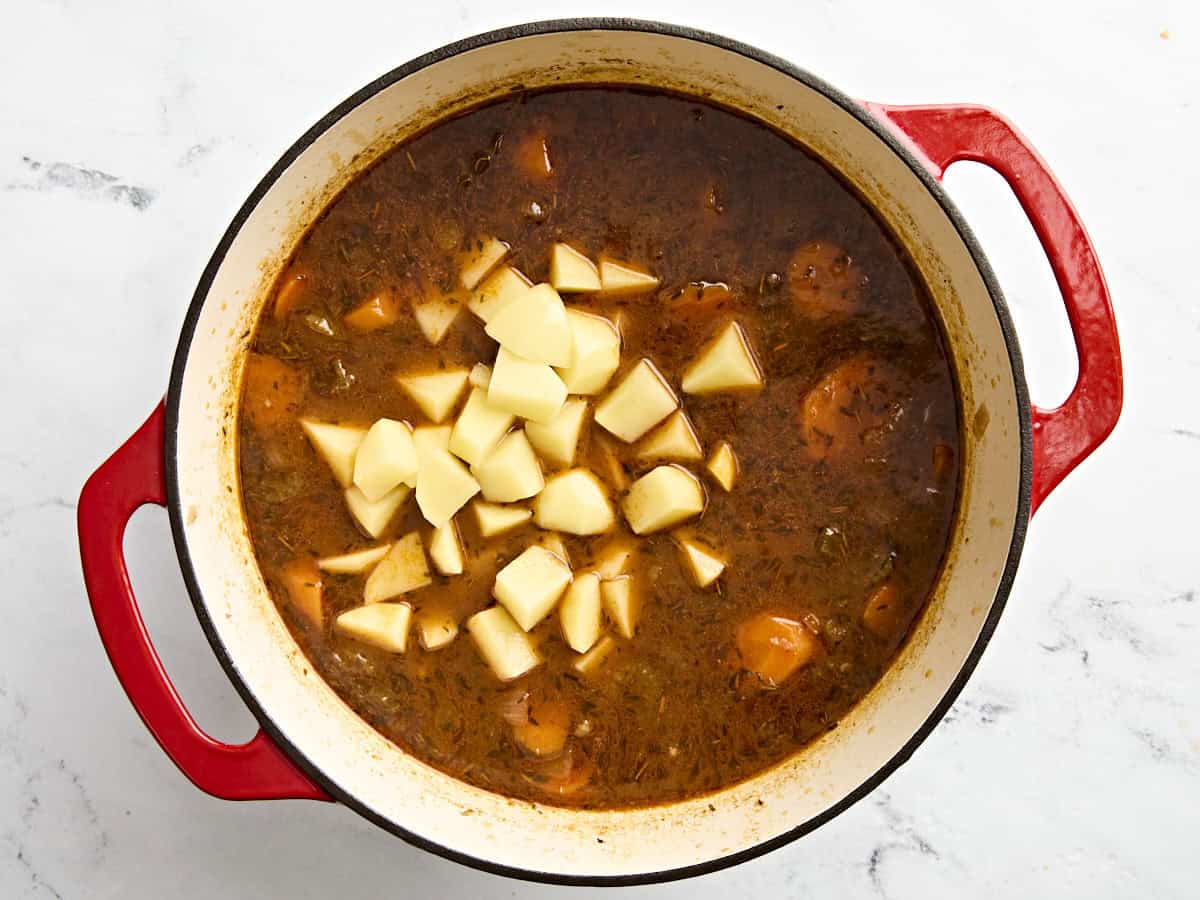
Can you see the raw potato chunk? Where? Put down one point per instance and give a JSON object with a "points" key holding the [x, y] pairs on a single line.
{"points": [[481, 376], [436, 629], [621, 603], [524, 388], [479, 428], [502, 643], [574, 502], [481, 260], [386, 458], [443, 486], [383, 625], [510, 472], [726, 364], [353, 563], [305, 590], [701, 563], [622, 278], [445, 549], [530, 585], [580, 612], [591, 661], [434, 317], [374, 518], [637, 404], [615, 559], [337, 445], [673, 439], [596, 353], [495, 293], [494, 520], [533, 325], [571, 272], [661, 498], [554, 543], [557, 440], [435, 393], [723, 465], [404, 569], [430, 437]]}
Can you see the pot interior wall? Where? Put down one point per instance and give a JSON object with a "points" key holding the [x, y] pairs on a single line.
{"points": [[398, 789]]}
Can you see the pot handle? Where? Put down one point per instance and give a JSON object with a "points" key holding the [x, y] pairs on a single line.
{"points": [[1065, 436], [131, 477]]}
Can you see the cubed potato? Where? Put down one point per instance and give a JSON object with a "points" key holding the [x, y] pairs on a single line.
{"points": [[534, 326], [571, 272], [723, 465], [435, 393], [386, 458], [374, 518], [663, 497], [589, 663], [436, 629], [580, 612], [574, 502], [382, 625], [379, 311], [615, 558], [337, 445], [503, 645], [557, 440], [434, 317], [701, 562], [511, 471], [403, 570], [445, 549], [443, 486], [596, 353], [554, 543], [494, 520], [430, 437], [622, 278], [481, 376], [483, 256], [305, 590], [355, 562], [479, 428], [607, 454], [673, 439], [530, 585], [621, 603], [500, 287], [527, 389], [641, 400], [726, 364]]}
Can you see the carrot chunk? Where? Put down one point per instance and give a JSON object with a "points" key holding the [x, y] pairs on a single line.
{"points": [[291, 294], [302, 580], [545, 733], [272, 391], [532, 155], [884, 613], [376, 312], [774, 648]]}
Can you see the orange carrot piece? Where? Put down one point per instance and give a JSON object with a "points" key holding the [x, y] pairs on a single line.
{"points": [[291, 293], [376, 312], [545, 733], [271, 391], [532, 154], [302, 580], [884, 613], [774, 648]]}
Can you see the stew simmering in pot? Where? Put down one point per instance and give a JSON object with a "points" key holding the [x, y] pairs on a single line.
{"points": [[599, 447]]}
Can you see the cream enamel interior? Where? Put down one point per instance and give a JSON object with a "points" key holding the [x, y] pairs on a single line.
{"points": [[450, 813]]}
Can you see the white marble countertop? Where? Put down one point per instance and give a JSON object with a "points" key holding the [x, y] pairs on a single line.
{"points": [[1070, 767]]}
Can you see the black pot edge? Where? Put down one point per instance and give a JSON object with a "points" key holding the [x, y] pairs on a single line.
{"points": [[179, 363]]}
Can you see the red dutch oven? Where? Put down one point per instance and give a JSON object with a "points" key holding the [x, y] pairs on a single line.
{"points": [[312, 746]]}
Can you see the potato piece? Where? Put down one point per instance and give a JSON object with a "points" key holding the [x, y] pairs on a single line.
{"points": [[621, 278], [615, 558], [502, 644], [353, 563], [554, 543], [726, 364], [386, 458], [701, 562], [434, 317], [621, 603], [382, 625], [673, 439], [445, 549], [663, 497], [271, 392], [595, 354], [494, 294], [637, 404], [574, 502], [534, 326], [484, 256], [374, 313], [443, 486], [530, 585], [571, 272], [337, 445], [723, 465], [436, 629], [479, 428], [494, 520], [774, 648], [481, 376], [590, 662], [436, 393], [305, 590], [374, 518], [430, 437], [612, 469], [557, 440], [403, 570], [580, 612], [528, 389], [511, 471]]}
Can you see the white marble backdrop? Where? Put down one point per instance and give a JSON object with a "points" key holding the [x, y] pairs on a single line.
{"points": [[129, 134]]}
